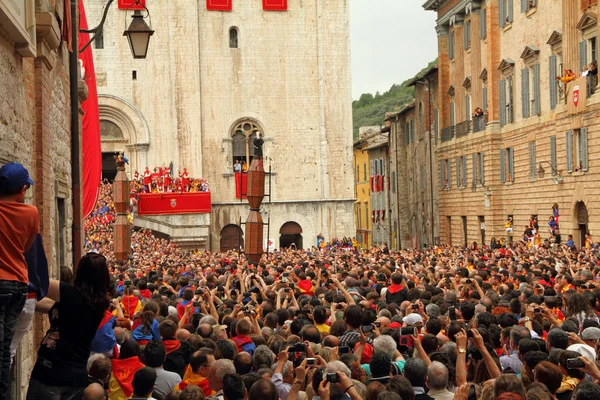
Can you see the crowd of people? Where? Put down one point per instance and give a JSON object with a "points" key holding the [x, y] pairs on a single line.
{"points": [[512, 323], [162, 180]]}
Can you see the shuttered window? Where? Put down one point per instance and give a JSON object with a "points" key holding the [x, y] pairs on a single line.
{"points": [[582, 54], [467, 107], [474, 172], [532, 161], [481, 169], [536, 104], [552, 82], [406, 133], [583, 148], [451, 45], [443, 174], [451, 113], [525, 92], [458, 170], [449, 172], [511, 163], [502, 165], [482, 24], [485, 98], [239, 146], [464, 170], [553, 154], [570, 151], [502, 94]]}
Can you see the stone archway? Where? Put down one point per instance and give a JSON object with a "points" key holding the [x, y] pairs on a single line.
{"points": [[232, 238], [580, 223], [290, 233], [124, 128]]}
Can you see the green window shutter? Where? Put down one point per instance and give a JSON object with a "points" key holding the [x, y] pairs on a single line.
{"points": [[582, 54], [449, 172], [467, 108], [583, 147], [451, 45], [482, 24], [485, 99], [481, 169], [502, 165], [537, 104], [452, 113], [474, 169], [502, 92], [464, 170], [553, 154], [532, 169], [570, 151], [525, 92], [552, 84], [511, 163], [524, 5], [442, 174], [510, 11], [457, 171], [501, 14]]}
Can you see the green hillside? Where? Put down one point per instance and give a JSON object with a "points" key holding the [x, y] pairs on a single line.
{"points": [[370, 110]]}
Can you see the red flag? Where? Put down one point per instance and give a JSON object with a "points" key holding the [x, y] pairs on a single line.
{"points": [[132, 4], [275, 5], [92, 153], [218, 5]]}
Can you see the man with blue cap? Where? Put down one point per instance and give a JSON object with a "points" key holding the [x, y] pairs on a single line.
{"points": [[19, 226]]}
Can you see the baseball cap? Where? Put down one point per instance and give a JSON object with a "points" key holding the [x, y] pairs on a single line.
{"points": [[412, 319], [590, 333], [585, 350], [16, 175]]}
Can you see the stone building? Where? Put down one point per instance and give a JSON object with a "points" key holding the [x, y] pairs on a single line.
{"points": [[35, 131], [534, 145], [371, 165], [210, 81], [414, 188], [362, 187]]}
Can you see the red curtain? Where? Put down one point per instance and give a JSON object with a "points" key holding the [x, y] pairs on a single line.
{"points": [[381, 187], [131, 4], [241, 181], [92, 153], [275, 5], [372, 188], [218, 5]]}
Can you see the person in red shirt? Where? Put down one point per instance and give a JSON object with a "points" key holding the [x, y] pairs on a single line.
{"points": [[19, 225]]}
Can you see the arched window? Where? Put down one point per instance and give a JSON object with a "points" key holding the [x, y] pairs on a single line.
{"points": [[233, 37], [243, 135], [109, 130]]}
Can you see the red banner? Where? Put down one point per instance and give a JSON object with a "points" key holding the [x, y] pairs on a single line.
{"points": [[132, 4], [218, 5], [241, 183], [174, 203], [275, 5], [92, 153]]}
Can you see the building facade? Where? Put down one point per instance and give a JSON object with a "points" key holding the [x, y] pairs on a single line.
{"points": [[362, 187], [35, 131], [533, 145], [414, 188], [212, 80]]}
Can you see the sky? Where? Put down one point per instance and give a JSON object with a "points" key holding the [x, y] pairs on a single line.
{"points": [[392, 40]]}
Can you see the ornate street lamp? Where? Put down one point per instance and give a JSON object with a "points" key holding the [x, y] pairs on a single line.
{"points": [[556, 176], [138, 34]]}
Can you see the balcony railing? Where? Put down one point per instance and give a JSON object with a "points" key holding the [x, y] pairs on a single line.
{"points": [[591, 83], [463, 128], [447, 134], [479, 123]]}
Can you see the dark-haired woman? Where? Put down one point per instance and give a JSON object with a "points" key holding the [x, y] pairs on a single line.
{"points": [[145, 326], [60, 370]]}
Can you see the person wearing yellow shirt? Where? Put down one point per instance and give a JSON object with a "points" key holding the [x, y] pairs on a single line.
{"points": [[320, 316]]}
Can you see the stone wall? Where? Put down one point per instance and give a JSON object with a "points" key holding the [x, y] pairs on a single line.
{"points": [[35, 131]]}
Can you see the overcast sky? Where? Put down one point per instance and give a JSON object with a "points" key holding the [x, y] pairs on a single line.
{"points": [[392, 40]]}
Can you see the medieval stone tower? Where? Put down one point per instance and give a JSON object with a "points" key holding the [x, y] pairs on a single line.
{"points": [[214, 78]]}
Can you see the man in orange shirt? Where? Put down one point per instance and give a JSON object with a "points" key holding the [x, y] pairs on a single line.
{"points": [[19, 226]]}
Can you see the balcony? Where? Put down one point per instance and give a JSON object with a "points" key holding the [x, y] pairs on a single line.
{"points": [[463, 128], [591, 83], [447, 134], [479, 123]]}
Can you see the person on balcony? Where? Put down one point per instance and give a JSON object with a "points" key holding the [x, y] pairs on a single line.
{"points": [[237, 167]]}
